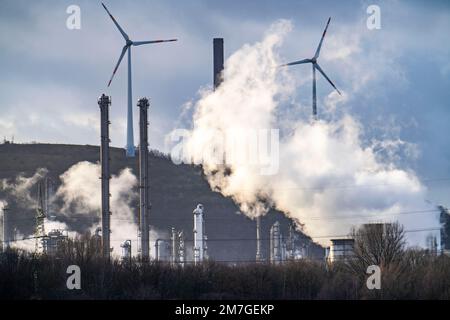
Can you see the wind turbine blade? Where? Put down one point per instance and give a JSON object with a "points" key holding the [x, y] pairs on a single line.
{"points": [[296, 62], [118, 63], [326, 77], [117, 24], [139, 43], [316, 55]]}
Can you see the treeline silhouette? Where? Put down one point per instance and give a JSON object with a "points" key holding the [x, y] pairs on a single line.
{"points": [[413, 274]]}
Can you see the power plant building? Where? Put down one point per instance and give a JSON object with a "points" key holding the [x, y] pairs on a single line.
{"points": [[340, 250]]}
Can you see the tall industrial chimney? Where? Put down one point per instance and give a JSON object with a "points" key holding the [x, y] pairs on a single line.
{"points": [[218, 61], [104, 102], [5, 228], [144, 205], [258, 239]]}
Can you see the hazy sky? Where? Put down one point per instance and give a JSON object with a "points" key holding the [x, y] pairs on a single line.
{"points": [[396, 79]]}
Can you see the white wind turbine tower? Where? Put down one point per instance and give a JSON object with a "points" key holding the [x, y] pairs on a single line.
{"points": [[130, 151], [315, 66]]}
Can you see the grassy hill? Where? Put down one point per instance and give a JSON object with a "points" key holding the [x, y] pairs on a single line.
{"points": [[175, 191]]}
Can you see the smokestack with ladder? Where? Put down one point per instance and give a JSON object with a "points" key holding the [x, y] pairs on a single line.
{"points": [[104, 102], [218, 61], [144, 206]]}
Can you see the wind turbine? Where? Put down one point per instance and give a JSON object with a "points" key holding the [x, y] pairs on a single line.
{"points": [[128, 43], [315, 66]]}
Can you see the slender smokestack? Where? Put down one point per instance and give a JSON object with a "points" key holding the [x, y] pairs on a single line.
{"points": [[144, 207], [218, 61], [104, 102], [258, 239], [5, 228]]}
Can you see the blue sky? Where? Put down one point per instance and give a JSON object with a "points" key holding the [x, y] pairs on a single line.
{"points": [[396, 79]]}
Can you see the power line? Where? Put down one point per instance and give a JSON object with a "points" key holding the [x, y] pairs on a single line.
{"points": [[229, 218], [254, 239]]}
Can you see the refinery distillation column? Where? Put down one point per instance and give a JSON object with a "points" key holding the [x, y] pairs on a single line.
{"points": [[104, 102], [199, 235], [144, 206], [258, 239]]}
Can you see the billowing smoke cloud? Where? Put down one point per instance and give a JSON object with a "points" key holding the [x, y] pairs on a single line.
{"points": [[20, 188], [79, 196], [21, 191], [328, 178], [80, 192]]}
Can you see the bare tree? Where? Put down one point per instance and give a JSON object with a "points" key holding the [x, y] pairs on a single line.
{"points": [[379, 244]]}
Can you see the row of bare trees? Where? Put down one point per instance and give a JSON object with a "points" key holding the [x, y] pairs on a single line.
{"points": [[405, 274]]}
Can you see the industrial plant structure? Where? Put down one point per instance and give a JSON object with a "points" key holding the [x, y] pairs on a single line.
{"points": [[144, 187], [162, 250], [277, 246], [200, 247], [218, 58], [340, 250], [177, 247], [104, 102], [39, 233], [259, 255], [53, 241], [126, 251], [5, 239]]}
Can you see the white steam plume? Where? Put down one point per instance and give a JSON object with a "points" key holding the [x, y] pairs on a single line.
{"points": [[19, 190], [20, 187], [80, 192], [328, 179]]}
